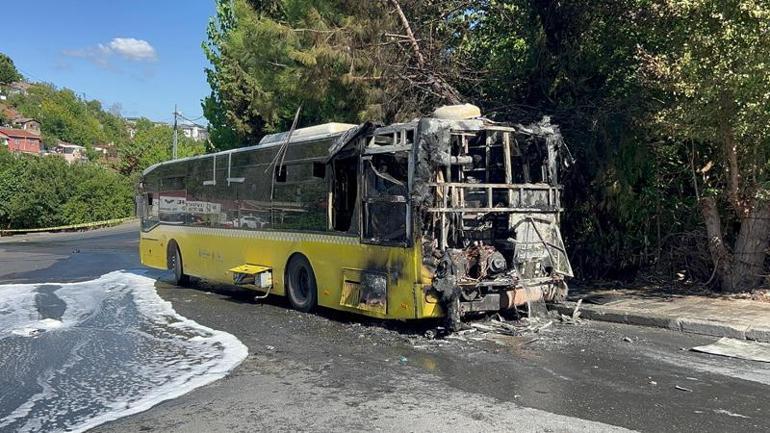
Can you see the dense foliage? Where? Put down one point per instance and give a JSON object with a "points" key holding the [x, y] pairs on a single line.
{"points": [[152, 144], [46, 192], [715, 75], [665, 104], [8, 71]]}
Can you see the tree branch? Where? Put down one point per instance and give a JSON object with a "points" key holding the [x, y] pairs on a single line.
{"points": [[409, 34], [439, 86]]}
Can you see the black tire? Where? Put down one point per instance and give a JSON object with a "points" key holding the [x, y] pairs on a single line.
{"points": [[176, 265], [300, 283]]}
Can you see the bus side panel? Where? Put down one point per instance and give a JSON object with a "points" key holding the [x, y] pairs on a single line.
{"points": [[152, 251], [395, 263], [208, 253]]}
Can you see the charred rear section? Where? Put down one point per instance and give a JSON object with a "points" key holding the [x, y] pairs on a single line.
{"points": [[487, 201]]}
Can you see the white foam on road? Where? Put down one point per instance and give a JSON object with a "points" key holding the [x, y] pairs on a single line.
{"points": [[117, 349], [17, 308], [35, 328]]}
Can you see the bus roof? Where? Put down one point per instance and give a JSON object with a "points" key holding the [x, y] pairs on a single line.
{"points": [[305, 134], [316, 132]]}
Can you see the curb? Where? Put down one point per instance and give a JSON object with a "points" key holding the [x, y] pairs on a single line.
{"points": [[687, 325], [95, 224]]}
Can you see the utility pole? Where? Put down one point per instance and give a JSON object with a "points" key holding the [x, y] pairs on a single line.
{"points": [[173, 149]]}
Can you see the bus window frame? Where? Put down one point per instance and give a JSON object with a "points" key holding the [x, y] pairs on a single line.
{"points": [[213, 181], [144, 209], [400, 145]]}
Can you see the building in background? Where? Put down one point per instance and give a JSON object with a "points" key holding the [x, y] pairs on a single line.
{"points": [[131, 124], [196, 132], [20, 141], [27, 124], [70, 152]]}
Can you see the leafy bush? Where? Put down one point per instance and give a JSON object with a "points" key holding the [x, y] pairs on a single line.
{"points": [[44, 192]]}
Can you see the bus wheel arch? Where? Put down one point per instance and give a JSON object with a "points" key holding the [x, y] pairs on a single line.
{"points": [[300, 284], [175, 263]]}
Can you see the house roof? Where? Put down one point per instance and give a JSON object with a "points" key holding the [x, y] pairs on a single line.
{"points": [[69, 145], [18, 133], [25, 120]]}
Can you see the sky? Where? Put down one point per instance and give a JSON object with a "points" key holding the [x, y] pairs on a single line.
{"points": [[144, 55]]}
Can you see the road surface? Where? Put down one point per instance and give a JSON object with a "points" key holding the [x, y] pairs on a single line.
{"points": [[337, 372]]}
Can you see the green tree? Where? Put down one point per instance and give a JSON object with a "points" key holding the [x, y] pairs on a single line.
{"points": [[340, 60], [263, 68], [152, 144], [99, 195], [42, 187], [219, 27], [45, 192], [716, 72], [8, 71]]}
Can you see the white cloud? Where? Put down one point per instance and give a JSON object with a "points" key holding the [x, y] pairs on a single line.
{"points": [[132, 49], [137, 50]]}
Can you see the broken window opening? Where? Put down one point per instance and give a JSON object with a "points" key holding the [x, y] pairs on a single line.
{"points": [[530, 164], [386, 198], [344, 192]]}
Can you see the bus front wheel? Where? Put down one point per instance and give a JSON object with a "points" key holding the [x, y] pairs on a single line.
{"points": [[175, 264], [300, 284]]}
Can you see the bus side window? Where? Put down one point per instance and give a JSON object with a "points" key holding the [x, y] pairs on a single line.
{"points": [[148, 211], [385, 198]]}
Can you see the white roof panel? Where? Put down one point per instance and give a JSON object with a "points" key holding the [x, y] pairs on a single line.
{"points": [[306, 134]]}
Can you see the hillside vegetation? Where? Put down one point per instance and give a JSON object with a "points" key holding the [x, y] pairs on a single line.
{"points": [[45, 191]]}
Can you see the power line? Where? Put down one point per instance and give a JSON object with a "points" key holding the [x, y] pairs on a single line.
{"points": [[192, 121], [197, 118]]}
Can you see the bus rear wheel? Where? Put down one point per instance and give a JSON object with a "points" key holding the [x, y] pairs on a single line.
{"points": [[175, 264], [301, 284]]}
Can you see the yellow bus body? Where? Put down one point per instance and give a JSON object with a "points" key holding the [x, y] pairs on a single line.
{"points": [[337, 261]]}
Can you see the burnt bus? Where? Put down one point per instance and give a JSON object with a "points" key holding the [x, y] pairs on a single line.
{"points": [[447, 215]]}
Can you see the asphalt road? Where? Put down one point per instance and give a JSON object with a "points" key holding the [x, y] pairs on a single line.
{"points": [[337, 372]]}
